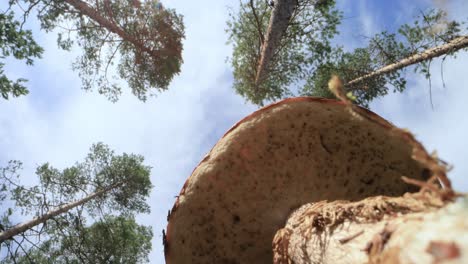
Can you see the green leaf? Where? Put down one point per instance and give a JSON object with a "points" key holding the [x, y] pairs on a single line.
{"points": [[19, 43]]}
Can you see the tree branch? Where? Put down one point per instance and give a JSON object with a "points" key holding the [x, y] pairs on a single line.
{"points": [[259, 28], [88, 11], [453, 45], [7, 234]]}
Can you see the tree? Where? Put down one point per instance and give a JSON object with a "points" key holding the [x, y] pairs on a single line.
{"points": [[279, 20], [369, 71], [288, 54], [294, 51], [110, 240], [131, 242], [147, 37], [104, 184], [20, 44]]}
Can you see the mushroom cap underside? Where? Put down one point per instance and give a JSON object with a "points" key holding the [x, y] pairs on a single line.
{"points": [[282, 156]]}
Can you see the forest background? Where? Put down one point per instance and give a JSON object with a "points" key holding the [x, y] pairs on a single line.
{"points": [[58, 122]]}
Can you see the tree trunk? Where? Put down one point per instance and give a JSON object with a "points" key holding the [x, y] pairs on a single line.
{"points": [[409, 229], [88, 11], [453, 45], [279, 20], [7, 234]]}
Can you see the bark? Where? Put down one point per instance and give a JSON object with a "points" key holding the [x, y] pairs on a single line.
{"points": [[279, 20], [7, 234], [93, 14], [453, 45], [407, 229]]}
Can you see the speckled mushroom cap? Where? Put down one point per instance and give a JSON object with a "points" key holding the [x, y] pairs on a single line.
{"points": [[293, 152]]}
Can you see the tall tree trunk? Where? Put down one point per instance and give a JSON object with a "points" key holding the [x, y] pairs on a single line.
{"points": [[408, 229], [453, 45], [279, 20], [7, 234], [88, 11]]}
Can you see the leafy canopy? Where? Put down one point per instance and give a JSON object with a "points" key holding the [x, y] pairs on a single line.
{"points": [[124, 177], [19, 43], [430, 29], [307, 60], [142, 40], [306, 42], [110, 240]]}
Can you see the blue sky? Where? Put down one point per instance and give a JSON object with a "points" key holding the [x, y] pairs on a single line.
{"points": [[57, 122]]}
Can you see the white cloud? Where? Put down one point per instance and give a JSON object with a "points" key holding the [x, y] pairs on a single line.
{"points": [[443, 128], [369, 22], [58, 122]]}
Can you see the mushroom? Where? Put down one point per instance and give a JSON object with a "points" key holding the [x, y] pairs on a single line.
{"points": [[290, 153]]}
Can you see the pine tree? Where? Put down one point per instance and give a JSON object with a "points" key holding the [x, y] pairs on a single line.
{"points": [[297, 36], [143, 37], [104, 184], [370, 72], [19, 43]]}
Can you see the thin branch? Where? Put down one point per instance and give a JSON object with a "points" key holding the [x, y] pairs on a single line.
{"points": [[430, 84], [111, 58], [24, 250], [442, 71], [10, 253], [259, 28], [426, 20], [26, 12], [33, 244]]}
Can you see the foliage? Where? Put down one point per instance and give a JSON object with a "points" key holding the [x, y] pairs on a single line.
{"points": [[110, 240], [348, 66], [131, 243], [304, 46], [428, 30], [125, 177], [19, 43], [144, 37], [306, 53]]}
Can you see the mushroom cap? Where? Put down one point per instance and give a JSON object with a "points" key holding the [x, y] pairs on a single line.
{"points": [[290, 153]]}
